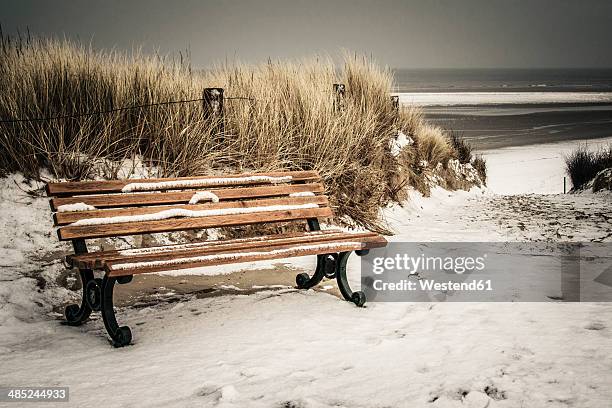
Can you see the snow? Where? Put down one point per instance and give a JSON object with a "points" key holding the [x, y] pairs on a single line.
{"points": [[476, 399], [399, 143], [601, 183], [271, 287], [302, 194], [198, 245], [204, 196], [337, 247], [308, 349], [178, 247], [533, 169], [284, 347], [182, 212], [31, 256], [75, 207], [203, 182]]}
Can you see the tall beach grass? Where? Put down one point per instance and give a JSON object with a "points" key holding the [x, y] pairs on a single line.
{"points": [[287, 119], [582, 164]]}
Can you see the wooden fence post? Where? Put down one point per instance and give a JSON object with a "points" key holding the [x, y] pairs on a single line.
{"points": [[395, 103], [212, 106], [339, 91], [212, 103]]}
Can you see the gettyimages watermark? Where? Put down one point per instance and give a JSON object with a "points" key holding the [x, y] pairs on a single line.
{"points": [[479, 272]]}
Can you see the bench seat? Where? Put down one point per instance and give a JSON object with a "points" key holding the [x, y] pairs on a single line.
{"points": [[210, 253]]}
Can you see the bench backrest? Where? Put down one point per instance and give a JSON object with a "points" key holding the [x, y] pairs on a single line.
{"points": [[95, 209]]}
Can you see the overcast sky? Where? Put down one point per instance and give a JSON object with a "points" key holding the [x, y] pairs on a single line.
{"points": [[412, 34]]}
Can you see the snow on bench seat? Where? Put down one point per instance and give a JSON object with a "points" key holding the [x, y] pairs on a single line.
{"points": [[282, 251], [97, 260]]}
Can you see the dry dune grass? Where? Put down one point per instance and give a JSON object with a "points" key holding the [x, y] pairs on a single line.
{"points": [[287, 121], [433, 143], [582, 164]]}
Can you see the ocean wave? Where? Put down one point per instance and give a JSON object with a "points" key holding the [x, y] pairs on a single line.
{"points": [[501, 98]]}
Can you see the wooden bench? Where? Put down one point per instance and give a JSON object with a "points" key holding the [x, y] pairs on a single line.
{"points": [[97, 209]]}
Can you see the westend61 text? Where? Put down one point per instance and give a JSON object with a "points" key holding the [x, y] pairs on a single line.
{"points": [[429, 285]]}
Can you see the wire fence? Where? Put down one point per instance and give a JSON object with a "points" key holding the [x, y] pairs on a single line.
{"points": [[102, 112], [338, 91]]}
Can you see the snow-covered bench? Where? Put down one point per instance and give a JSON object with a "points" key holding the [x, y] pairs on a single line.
{"points": [[96, 209]]}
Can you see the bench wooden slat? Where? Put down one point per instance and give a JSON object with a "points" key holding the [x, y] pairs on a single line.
{"points": [[98, 260], [65, 218], [136, 199], [177, 224], [250, 255], [89, 259], [116, 186]]}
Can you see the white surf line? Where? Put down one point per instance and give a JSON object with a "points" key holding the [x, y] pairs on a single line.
{"points": [[457, 99], [181, 212], [204, 182], [235, 256]]}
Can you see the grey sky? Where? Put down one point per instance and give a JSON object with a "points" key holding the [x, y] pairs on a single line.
{"points": [[423, 33]]}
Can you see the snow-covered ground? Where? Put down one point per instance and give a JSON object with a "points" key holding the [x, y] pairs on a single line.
{"points": [[533, 169], [283, 347]]}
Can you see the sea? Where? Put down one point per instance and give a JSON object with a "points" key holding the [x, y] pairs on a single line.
{"points": [[493, 108]]}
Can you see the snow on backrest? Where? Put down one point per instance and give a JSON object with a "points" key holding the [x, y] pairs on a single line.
{"points": [[181, 212], [204, 182], [91, 209]]}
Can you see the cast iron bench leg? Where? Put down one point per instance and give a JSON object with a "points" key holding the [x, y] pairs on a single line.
{"points": [[75, 314], [333, 266], [358, 298], [325, 268], [121, 336]]}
